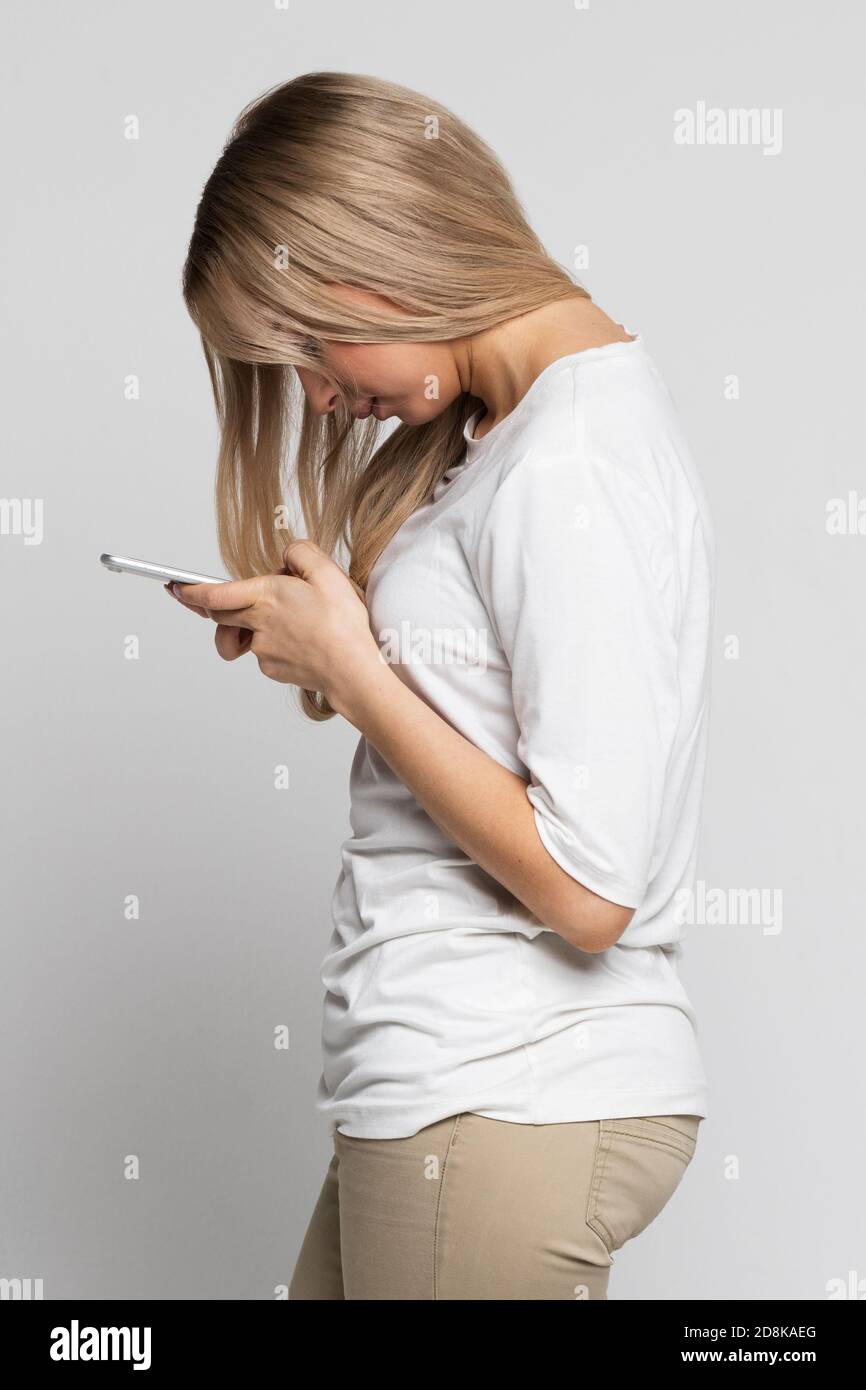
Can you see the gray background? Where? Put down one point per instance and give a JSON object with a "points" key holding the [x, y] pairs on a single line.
{"points": [[155, 777]]}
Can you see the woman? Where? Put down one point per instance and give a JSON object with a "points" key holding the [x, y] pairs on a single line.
{"points": [[511, 1074]]}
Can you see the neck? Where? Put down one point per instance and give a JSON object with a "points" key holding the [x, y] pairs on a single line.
{"points": [[499, 364]]}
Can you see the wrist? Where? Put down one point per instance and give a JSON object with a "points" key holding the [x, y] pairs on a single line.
{"points": [[362, 681]]}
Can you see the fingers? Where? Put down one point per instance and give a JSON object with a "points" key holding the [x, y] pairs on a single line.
{"points": [[233, 596], [304, 558], [232, 642], [250, 618], [236, 603], [308, 561], [191, 606]]}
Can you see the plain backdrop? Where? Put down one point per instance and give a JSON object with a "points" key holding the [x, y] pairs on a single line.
{"points": [[157, 1144]]}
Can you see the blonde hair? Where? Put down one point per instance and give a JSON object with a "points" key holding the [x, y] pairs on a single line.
{"points": [[351, 180]]}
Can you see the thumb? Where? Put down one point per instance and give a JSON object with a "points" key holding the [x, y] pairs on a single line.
{"points": [[304, 558]]}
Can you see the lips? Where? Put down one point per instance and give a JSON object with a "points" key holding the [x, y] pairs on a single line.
{"points": [[371, 406]]}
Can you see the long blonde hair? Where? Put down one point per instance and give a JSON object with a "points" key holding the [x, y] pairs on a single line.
{"points": [[344, 179]]}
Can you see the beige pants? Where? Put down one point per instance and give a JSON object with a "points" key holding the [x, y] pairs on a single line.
{"points": [[487, 1209]]}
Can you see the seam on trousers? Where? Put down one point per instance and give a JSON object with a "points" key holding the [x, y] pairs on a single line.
{"points": [[685, 1148], [451, 1141], [593, 1220]]}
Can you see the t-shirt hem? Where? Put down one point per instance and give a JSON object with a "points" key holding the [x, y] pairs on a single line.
{"points": [[527, 1108]]}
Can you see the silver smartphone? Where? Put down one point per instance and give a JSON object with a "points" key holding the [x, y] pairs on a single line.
{"points": [[148, 570]]}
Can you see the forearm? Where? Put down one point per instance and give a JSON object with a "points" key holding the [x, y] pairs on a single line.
{"points": [[479, 804]]}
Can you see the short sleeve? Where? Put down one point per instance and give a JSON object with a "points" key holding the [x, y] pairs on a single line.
{"points": [[572, 559]]}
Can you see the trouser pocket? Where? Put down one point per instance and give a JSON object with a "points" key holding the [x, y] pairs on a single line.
{"points": [[638, 1165]]}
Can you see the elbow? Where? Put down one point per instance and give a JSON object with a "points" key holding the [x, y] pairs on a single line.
{"points": [[587, 921], [598, 934], [582, 917]]}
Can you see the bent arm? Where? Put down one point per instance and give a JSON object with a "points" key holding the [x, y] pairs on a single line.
{"points": [[479, 804]]}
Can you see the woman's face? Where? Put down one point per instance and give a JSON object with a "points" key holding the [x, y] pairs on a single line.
{"points": [[414, 381]]}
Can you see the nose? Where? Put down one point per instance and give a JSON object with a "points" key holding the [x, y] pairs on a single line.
{"points": [[321, 395]]}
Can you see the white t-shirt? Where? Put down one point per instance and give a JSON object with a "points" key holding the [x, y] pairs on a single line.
{"points": [[553, 602]]}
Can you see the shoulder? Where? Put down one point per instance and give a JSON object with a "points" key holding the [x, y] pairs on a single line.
{"points": [[609, 437]]}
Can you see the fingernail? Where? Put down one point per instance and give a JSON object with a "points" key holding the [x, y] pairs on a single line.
{"points": [[175, 589]]}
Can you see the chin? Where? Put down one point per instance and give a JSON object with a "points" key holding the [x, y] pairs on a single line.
{"points": [[422, 414]]}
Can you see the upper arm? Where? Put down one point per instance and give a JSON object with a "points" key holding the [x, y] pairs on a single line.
{"points": [[568, 567]]}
